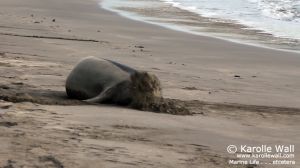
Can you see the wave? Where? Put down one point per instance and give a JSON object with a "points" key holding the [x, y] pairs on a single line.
{"points": [[278, 17], [288, 10], [246, 23]]}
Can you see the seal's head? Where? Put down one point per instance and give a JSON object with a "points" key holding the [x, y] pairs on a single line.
{"points": [[145, 89]]}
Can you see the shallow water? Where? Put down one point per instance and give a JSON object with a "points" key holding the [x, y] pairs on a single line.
{"points": [[278, 17], [252, 22]]}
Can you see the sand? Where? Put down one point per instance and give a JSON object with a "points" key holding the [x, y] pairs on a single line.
{"points": [[239, 94]]}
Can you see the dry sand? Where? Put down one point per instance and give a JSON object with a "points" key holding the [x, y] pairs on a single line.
{"points": [[40, 41]]}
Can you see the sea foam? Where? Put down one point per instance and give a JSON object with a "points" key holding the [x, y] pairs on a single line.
{"points": [[278, 17], [265, 23]]}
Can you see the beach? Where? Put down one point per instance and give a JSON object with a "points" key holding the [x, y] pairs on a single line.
{"points": [[240, 94]]}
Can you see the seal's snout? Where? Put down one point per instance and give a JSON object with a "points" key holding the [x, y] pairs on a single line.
{"points": [[145, 83], [146, 90]]}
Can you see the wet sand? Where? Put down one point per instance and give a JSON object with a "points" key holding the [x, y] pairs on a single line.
{"points": [[239, 94]]}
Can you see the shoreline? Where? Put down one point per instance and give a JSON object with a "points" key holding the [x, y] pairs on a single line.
{"points": [[132, 13]]}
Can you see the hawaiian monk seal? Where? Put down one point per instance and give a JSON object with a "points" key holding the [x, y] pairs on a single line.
{"points": [[105, 81]]}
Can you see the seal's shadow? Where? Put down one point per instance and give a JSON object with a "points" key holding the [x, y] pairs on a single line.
{"points": [[163, 105], [45, 97], [53, 97]]}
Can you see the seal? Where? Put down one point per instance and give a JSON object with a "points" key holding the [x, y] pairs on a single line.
{"points": [[98, 80]]}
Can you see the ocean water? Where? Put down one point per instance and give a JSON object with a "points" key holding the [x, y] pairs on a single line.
{"points": [[278, 17], [271, 23]]}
